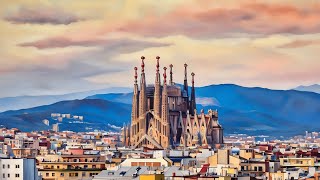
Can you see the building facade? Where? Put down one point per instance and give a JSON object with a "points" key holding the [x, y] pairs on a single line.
{"points": [[76, 166], [20, 169], [164, 115]]}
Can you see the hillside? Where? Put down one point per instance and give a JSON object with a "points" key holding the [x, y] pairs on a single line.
{"points": [[97, 113], [263, 111]]}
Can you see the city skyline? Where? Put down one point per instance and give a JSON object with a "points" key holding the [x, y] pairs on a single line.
{"points": [[54, 47]]}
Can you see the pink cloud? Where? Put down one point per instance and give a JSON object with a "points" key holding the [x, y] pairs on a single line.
{"points": [[62, 42], [299, 43], [41, 15], [252, 18]]}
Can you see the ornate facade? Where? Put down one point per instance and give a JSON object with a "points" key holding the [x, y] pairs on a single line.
{"points": [[164, 116]]}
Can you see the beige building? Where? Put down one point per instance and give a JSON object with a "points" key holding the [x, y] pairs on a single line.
{"points": [[149, 162], [62, 167], [164, 115], [303, 163]]}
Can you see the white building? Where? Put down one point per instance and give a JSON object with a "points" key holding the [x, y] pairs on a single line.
{"points": [[55, 127], [46, 122], [19, 169]]}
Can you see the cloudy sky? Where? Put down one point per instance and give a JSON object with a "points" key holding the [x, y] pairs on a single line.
{"points": [[61, 46]]}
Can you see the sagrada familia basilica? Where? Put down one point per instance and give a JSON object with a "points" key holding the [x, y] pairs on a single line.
{"points": [[165, 116]]}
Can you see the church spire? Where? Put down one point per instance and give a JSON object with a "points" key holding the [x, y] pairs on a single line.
{"points": [[185, 86], [165, 111], [135, 100], [157, 89], [171, 79], [193, 96], [143, 95]]}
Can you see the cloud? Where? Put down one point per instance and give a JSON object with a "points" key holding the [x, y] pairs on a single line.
{"points": [[70, 71], [299, 43], [250, 18], [41, 15], [62, 42], [207, 101]]}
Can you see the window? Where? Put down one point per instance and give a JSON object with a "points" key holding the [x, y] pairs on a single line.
{"points": [[76, 174], [83, 174], [53, 174], [17, 175], [8, 175], [17, 166], [3, 175], [61, 174], [3, 166], [8, 166], [93, 166], [47, 174]]}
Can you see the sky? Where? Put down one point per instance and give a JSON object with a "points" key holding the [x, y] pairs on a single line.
{"points": [[63, 46]]}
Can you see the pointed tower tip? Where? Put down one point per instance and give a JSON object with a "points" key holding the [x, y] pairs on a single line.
{"points": [[165, 74], [135, 74], [142, 63], [157, 66], [193, 74], [171, 78]]}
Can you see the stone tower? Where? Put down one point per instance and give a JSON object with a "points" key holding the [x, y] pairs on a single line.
{"points": [[165, 112], [185, 85], [193, 97], [157, 91], [142, 100], [135, 107]]}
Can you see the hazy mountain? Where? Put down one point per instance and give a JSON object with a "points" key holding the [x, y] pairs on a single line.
{"points": [[312, 88], [255, 111], [22, 102], [115, 97]]}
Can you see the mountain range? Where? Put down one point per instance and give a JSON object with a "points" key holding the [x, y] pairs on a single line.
{"points": [[312, 88], [22, 102], [253, 111], [98, 114]]}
